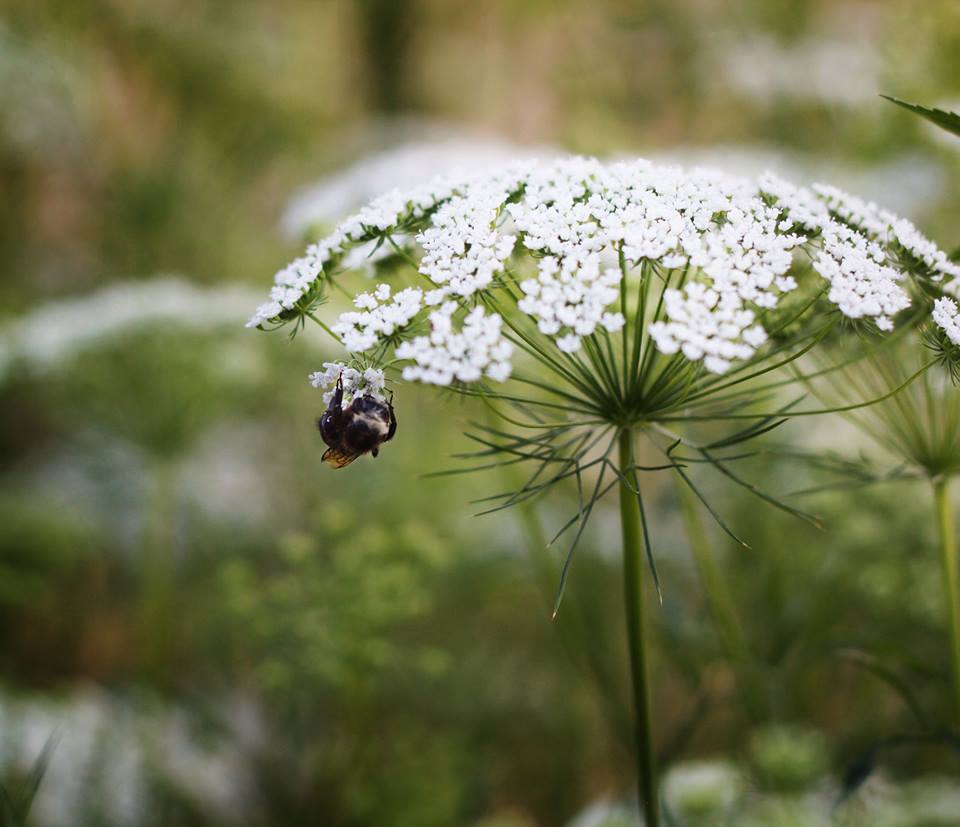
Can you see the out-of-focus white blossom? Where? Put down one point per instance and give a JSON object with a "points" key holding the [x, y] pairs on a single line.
{"points": [[402, 167], [109, 755], [606, 813], [55, 331], [355, 382], [839, 71], [703, 791], [911, 183]]}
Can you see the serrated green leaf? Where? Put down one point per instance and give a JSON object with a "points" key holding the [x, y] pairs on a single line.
{"points": [[950, 121]]}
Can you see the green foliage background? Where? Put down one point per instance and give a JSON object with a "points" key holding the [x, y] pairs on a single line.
{"points": [[169, 537]]}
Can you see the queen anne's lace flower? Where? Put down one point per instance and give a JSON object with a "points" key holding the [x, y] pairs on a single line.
{"points": [[885, 226], [463, 250], [381, 217], [569, 240], [707, 325], [377, 316], [465, 355], [862, 282], [290, 284], [947, 318], [355, 383]]}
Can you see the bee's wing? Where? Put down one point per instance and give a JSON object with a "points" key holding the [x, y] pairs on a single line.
{"points": [[338, 459]]}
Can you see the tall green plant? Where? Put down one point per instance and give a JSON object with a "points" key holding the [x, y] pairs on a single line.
{"points": [[592, 306]]}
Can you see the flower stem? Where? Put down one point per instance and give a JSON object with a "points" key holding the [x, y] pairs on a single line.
{"points": [[633, 557], [721, 606], [951, 577]]}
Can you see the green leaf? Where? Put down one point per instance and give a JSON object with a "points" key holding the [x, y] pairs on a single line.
{"points": [[949, 121]]}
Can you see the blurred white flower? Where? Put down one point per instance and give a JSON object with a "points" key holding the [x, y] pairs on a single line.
{"points": [[107, 756], [703, 792], [606, 813], [909, 184], [52, 333], [227, 474], [399, 168], [840, 71]]}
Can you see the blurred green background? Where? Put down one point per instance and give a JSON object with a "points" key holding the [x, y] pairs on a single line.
{"points": [[204, 626]]}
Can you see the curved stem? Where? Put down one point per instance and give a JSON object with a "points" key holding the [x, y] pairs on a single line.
{"points": [[633, 561], [951, 577], [323, 326]]}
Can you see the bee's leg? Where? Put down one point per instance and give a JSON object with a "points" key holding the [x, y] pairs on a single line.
{"points": [[330, 423], [336, 404], [393, 422], [374, 452]]}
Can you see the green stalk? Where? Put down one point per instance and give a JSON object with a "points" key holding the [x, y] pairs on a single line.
{"points": [[951, 572], [156, 573], [720, 604], [633, 562]]}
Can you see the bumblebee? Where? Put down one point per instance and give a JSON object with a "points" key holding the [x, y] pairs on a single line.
{"points": [[360, 428]]}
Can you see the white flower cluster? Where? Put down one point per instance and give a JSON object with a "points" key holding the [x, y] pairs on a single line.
{"points": [[289, 285], [463, 249], [862, 283], [477, 349], [705, 324], [379, 217], [580, 216], [378, 315], [947, 318], [355, 383], [573, 287], [724, 246], [563, 296], [885, 226]]}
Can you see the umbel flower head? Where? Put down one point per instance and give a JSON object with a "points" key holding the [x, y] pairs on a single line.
{"points": [[581, 299], [561, 259]]}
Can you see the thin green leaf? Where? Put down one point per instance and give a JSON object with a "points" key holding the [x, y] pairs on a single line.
{"points": [[950, 121]]}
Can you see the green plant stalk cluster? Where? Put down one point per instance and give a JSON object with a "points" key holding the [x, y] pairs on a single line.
{"points": [[951, 579]]}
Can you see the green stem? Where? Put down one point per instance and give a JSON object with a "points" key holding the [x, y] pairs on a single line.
{"points": [[156, 571], [323, 326], [633, 562], [720, 604], [951, 577]]}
